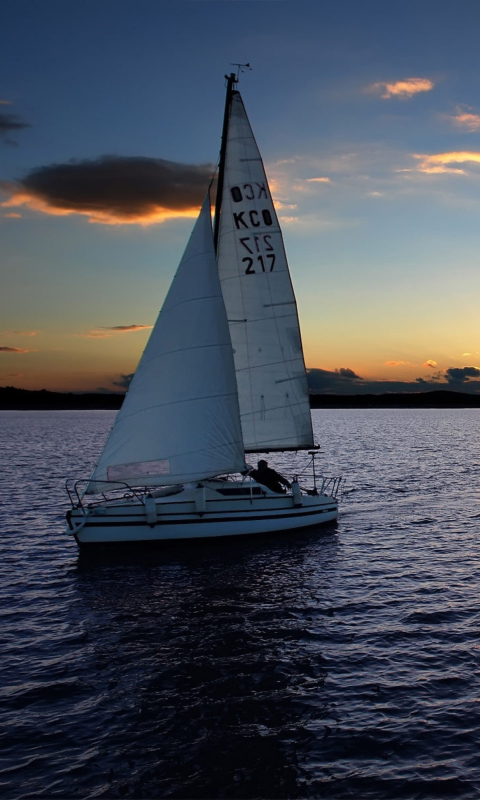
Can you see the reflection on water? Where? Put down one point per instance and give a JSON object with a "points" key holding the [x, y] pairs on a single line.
{"points": [[220, 631], [337, 662]]}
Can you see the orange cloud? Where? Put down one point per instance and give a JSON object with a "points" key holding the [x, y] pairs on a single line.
{"points": [[429, 363], [396, 363], [467, 120], [13, 350], [289, 220], [126, 328], [284, 206], [439, 162], [20, 333], [405, 88], [103, 332], [153, 216], [299, 185]]}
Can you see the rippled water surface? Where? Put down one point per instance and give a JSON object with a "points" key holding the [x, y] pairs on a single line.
{"points": [[342, 662]]}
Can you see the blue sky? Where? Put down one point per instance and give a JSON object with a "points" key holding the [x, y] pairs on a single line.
{"points": [[368, 118]]}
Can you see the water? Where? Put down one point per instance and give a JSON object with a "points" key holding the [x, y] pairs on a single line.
{"points": [[342, 662]]}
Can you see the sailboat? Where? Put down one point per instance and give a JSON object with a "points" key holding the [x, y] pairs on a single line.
{"points": [[222, 376]]}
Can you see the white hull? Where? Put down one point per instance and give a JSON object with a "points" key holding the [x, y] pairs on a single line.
{"points": [[196, 514]]}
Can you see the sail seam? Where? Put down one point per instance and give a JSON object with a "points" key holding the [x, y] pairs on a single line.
{"points": [[267, 448], [285, 303], [192, 300], [222, 449], [183, 349], [173, 402], [274, 408], [271, 364], [279, 271], [262, 319]]}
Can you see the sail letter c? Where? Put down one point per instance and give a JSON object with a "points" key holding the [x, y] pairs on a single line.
{"points": [[250, 195], [252, 220]]}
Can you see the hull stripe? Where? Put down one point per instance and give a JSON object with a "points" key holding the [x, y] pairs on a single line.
{"points": [[206, 520]]}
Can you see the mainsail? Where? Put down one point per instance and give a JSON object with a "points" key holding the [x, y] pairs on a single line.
{"points": [[180, 418], [259, 298]]}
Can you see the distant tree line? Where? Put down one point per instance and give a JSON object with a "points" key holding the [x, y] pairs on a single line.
{"points": [[23, 399]]}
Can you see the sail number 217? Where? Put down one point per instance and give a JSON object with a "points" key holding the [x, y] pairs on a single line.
{"points": [[253, 245]]}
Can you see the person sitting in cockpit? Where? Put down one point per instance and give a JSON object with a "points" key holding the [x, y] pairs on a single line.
{"points": [[269, 477]]}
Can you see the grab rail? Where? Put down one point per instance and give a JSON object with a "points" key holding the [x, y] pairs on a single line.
{"points": [[121, 486]]}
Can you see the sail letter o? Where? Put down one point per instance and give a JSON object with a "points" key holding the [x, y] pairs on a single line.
{"points": [[267, 217], [236, 194]]}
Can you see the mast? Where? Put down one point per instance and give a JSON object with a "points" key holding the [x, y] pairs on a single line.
{"points": [[232, 79]]}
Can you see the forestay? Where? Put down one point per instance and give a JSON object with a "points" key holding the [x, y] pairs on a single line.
{"points": [[260, 303], [180, 419]]}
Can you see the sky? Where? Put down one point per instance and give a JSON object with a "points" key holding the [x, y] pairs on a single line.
{"points": [[367, 115]]}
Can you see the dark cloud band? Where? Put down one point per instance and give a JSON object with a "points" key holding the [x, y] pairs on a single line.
{"points": [[344, 381], [461, 374], [116, 187], [11, 123], [124, 381], [341, 381]]}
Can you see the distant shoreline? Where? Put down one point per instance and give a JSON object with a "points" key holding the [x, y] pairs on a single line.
{"points": [[440, 398], [12, 399]]}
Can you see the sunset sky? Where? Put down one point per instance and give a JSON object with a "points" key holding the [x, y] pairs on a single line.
{"points": [[368, 118]]}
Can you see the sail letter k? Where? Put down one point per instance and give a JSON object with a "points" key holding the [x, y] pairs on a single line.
{"points": [[239, 221], [262, 190]]}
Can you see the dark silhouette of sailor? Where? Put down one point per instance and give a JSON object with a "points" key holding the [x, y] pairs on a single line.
{"points": [[269, 477]]}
